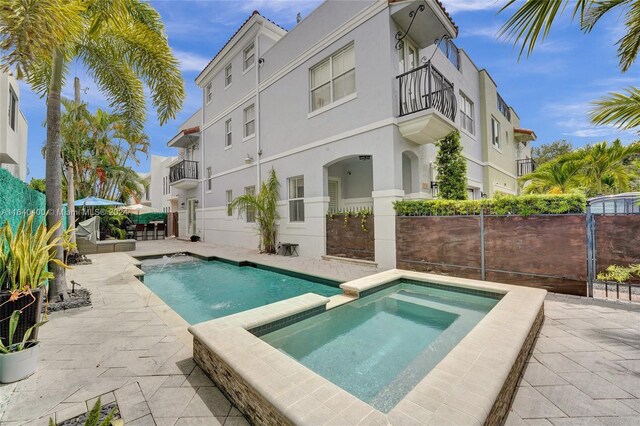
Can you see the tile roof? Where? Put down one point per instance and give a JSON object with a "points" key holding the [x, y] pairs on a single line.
{"points": [[254, 13]]}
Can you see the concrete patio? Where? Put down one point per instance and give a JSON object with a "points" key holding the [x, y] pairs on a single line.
{"points": [[129, 347]]}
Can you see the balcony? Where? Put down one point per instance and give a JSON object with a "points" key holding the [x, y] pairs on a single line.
{"points": [[184, 175], [428, 105], [525, 166]]}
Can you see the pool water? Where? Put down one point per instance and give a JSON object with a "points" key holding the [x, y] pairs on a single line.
{"points": [[379, 347], [202, 290]]}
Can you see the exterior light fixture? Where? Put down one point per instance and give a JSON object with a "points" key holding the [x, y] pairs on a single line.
{"points": [[248, 159]]}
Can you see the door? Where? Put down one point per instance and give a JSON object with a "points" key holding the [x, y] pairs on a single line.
{"points": [[409, 61], [191, 216]]}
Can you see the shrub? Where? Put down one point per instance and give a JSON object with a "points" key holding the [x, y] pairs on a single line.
{"points": [[452, 168], [523, 205]]}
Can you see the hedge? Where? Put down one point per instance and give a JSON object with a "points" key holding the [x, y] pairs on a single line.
{"points": [[18, 200], [523, 205]]}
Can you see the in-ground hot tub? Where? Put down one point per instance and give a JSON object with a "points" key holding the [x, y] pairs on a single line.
{"points": [[413, 349]]}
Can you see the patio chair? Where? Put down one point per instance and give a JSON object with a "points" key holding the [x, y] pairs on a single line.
{"points": [[150, 229], [139, 231], [160, 230]]}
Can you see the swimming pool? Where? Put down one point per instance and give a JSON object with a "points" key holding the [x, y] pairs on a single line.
{"points": [[380, 346], [202, 290]]}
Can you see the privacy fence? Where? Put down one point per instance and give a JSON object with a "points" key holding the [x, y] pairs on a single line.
{"points": [[538, 241], [350, 234], [18, 200]]}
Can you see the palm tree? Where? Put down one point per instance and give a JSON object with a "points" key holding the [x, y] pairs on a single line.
{"points": [[264, 206], [121, 43], [558, 176], [533, 21], [604, 166]]}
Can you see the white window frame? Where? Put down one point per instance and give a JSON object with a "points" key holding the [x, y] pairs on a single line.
{"points": [[251, 48], [251, 107], [332, 102], [228, 75], [228, 133], [250, 214], [209, 179], [495, 133], [467, 117], [229, 196], [209, 93], [295, 199]]}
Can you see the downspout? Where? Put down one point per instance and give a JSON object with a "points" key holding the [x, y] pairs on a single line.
{"points": [[203, 184], [257, 102]]}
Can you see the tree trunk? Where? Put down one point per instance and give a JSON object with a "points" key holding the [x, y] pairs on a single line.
{"points": [[58, 284]]}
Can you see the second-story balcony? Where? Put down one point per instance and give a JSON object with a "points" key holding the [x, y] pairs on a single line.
{"points": [[428, 105], [525, 166], [184, 175]]}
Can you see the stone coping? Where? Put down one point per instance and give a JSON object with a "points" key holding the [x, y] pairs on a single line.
{"points": [[463, 388]]}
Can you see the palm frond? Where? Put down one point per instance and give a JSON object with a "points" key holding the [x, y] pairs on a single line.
{"points": [[618, 109], [629, 44], [532, 22]]}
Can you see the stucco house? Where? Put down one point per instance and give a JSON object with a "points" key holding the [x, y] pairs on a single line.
{"points": [[346, 107], [13, 128]]}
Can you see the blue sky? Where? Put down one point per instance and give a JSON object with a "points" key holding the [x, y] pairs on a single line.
{"points": [[551, 90]]}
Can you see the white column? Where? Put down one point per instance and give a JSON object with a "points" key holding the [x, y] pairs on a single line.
{"points": [[384, 221]]}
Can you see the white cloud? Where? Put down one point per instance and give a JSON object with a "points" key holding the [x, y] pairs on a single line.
{"points": [[454, 6], [190, 61]]}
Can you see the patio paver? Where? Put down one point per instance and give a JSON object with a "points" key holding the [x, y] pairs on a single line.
{"points": [[128, 347]]}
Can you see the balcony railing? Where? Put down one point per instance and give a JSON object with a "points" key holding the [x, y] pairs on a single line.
{"points": [[525, 166], [183, 170], [425, 87]]}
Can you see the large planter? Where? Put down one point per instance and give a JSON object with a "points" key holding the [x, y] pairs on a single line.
{"points": [[31, 313], [16, 366]]}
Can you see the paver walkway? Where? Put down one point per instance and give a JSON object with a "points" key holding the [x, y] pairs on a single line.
{"points": [[585, 368]]}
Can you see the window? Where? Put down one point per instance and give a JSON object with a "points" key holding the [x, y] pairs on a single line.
{"points": [[471, 193], [495, 133], [165, 185], [13, 108], [251, 213], [249, 121], [334, 78], [228, 138], [209, 180], [296, 199], [229, 201], [466, 114], [209, 92], [248, 56], [227, 76]]}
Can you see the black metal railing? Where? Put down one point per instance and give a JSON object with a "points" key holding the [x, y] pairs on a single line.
{"points": [[503, 107], [425, 87], [525, 166], [183, 170]]}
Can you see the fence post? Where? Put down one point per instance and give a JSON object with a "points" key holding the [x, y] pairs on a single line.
{"points": [[591, 251], [483, 272]]}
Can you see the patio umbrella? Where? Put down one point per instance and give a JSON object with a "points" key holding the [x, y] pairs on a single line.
{"points": [[95, 202]]}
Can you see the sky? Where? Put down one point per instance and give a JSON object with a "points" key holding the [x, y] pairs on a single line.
{"points": [[551, 90]]}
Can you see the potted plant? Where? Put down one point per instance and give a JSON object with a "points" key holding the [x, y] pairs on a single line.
{"points": [[18, 359], [24, 256]]}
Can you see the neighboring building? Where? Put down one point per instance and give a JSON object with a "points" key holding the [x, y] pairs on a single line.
{"points": [[155, 188], [346, 107], [13, 128]]}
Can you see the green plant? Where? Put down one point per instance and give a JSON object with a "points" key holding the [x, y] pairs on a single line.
{"points": [[620, 274], [264, 204], [13, 325], [24, 256], [452, 168], [111, 221], [362, 213], [93, 417], [500, 205]]}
